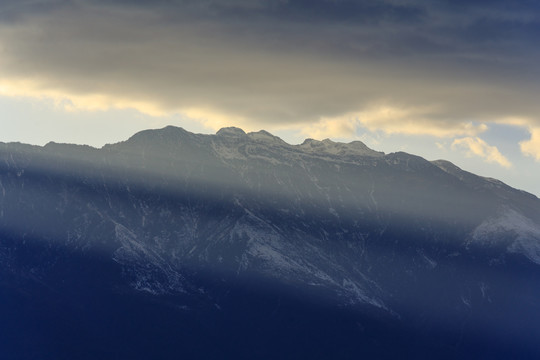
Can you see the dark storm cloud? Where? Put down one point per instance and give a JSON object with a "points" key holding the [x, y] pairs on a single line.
{"points": [[16, 10], [282, 62]]}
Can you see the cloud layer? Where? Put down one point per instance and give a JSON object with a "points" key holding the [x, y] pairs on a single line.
{"points": [[438, 68]]}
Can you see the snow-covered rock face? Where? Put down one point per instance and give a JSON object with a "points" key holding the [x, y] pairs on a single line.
{"points": [[303, 262], [517, 232], [233, 143], [327, 146], [150, 270]]}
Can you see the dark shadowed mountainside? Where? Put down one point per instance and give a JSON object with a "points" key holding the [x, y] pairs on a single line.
{"points": [[173, 245]]}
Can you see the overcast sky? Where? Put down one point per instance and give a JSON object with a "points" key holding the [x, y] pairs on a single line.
{"points": [[448, 79]]}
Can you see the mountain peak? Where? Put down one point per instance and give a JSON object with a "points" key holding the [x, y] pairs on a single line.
{"points": [[168, 132], [231, 131], [265, 136]]}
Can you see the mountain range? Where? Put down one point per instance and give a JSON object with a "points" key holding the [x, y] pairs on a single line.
{"points": [[179, 245]]}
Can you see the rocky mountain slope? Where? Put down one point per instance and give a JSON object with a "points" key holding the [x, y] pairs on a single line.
{"points": [[180, 245]]}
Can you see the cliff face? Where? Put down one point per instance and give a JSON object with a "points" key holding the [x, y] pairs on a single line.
{"points": [[242, 245]]}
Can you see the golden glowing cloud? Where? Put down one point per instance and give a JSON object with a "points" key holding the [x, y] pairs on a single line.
{"points": [[474, 146], [70, 101], [531, 147], [393, 120]]}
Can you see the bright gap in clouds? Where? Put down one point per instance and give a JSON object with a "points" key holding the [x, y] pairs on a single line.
{"points": [[38, 121]]}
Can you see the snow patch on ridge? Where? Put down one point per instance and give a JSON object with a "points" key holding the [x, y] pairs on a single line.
{"points": [[149, 271], [525, 234], [327, 146]]}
